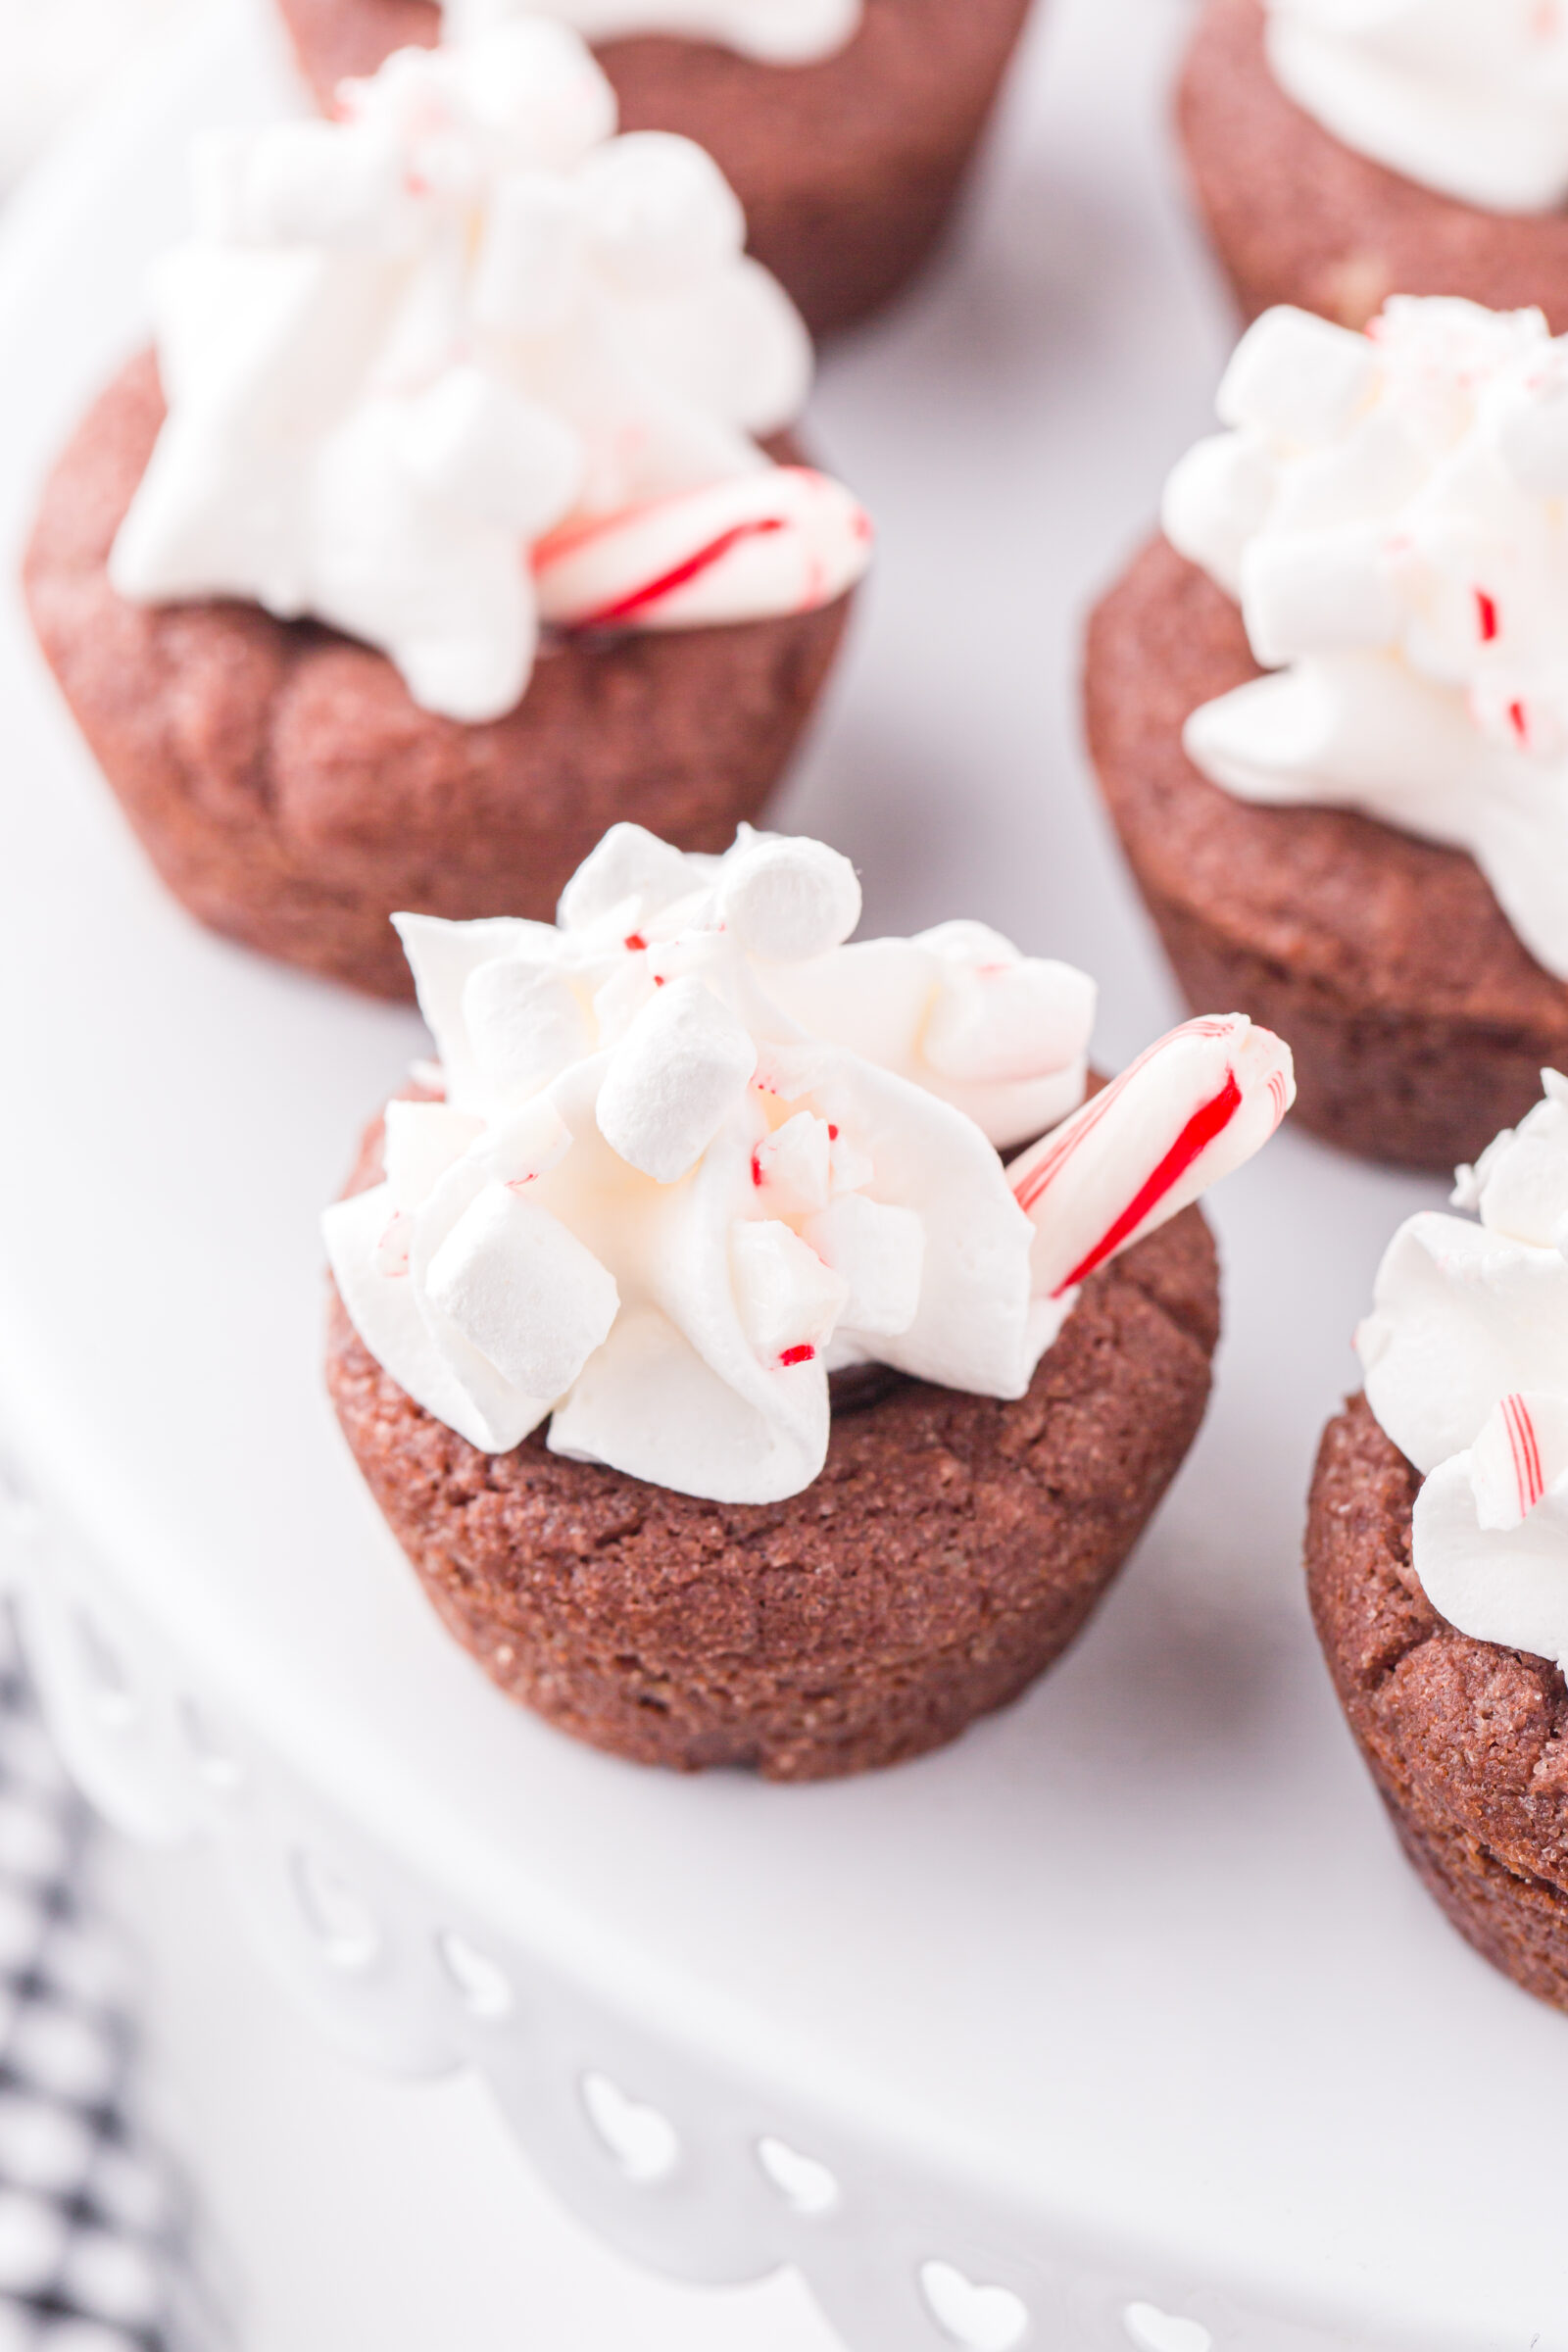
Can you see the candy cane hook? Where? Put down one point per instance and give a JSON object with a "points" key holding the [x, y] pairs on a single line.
{"points": [[1189, 1110], [781, 540]]}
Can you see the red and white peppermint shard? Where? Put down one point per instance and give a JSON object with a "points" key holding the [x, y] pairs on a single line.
{"points": [[1188, 1112], [1521, 1452], [784, 539]]}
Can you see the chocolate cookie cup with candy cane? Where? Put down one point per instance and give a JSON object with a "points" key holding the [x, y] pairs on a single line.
{"points": [[1329, 711], [733, 1400], [845, 126], [1341, 155], [1438, 1548], [457, 539]]}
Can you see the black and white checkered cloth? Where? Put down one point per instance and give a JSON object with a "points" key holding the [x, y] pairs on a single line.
{"points": [[96, 2227]]}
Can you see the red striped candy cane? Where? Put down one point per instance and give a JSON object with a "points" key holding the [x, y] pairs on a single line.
{"points": [[1520, 1451], [1524, 1447], [1189, 1110], [784, 539]]}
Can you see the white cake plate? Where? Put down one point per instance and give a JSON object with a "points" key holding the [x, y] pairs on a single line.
{"points": [[1121, 2022]]}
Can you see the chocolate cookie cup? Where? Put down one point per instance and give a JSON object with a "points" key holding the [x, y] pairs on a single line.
{"points": [[740, 1392], [457, 519], [1467, 1742], [1437, 1547], [1296, 217], [848, 167], [1418, 1020], [291, 793], [949, 1552]]}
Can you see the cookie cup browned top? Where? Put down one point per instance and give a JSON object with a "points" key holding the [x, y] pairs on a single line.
{"points": [[950, 1550]]}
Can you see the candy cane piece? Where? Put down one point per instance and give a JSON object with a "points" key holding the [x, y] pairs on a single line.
{"points": [[1521, 1451], [782, 540], [1190, 1110]]}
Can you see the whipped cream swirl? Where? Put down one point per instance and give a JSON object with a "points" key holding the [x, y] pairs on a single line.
{"points": [[1469, 97], [464, 363], [694, 1152], [1389, 509], [1465, 1356], [777, 33]]}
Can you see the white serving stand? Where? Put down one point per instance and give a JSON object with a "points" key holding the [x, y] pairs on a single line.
{"points": [[1121, 2022]]}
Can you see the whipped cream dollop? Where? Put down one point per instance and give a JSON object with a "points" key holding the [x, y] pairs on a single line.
{"points": [[1469, 97], [462, 362], [777, 33], [1465, 1356], [694, 1151], [1389, 509]]}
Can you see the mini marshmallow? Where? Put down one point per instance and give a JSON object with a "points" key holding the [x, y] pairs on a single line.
{"points": [[880, 1254], [630, 864], [1296, 379], [525, 1024], [1216, 499], [792, 1168], [524, 1291], [681, 1068], [787, 1299], [536, 88], [422, 1140], [658, 213], [789, 901], [1318, 592]]}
